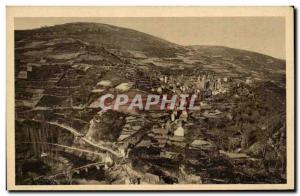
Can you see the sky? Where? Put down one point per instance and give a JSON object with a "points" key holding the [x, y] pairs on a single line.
{"points": [[265, 35]]}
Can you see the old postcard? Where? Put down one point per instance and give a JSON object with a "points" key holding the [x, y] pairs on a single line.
{"points": [[150, 98]]}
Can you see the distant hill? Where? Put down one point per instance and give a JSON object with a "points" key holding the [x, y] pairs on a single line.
{"points": [[108, 36], [239, 54], [148, 49], [241, 62]]}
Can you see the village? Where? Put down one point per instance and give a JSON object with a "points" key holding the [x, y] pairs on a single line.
{"points": [[73, 140]]}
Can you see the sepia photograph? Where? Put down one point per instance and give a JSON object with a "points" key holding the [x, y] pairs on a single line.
{"points": [[150, 98]]}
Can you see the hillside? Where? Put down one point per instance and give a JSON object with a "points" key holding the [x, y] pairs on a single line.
{"points": [[237, 134], [105, 35], [146, 49]]}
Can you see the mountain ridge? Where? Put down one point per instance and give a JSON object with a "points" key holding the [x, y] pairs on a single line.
{"points": [[103, 28], [145, 49]]}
